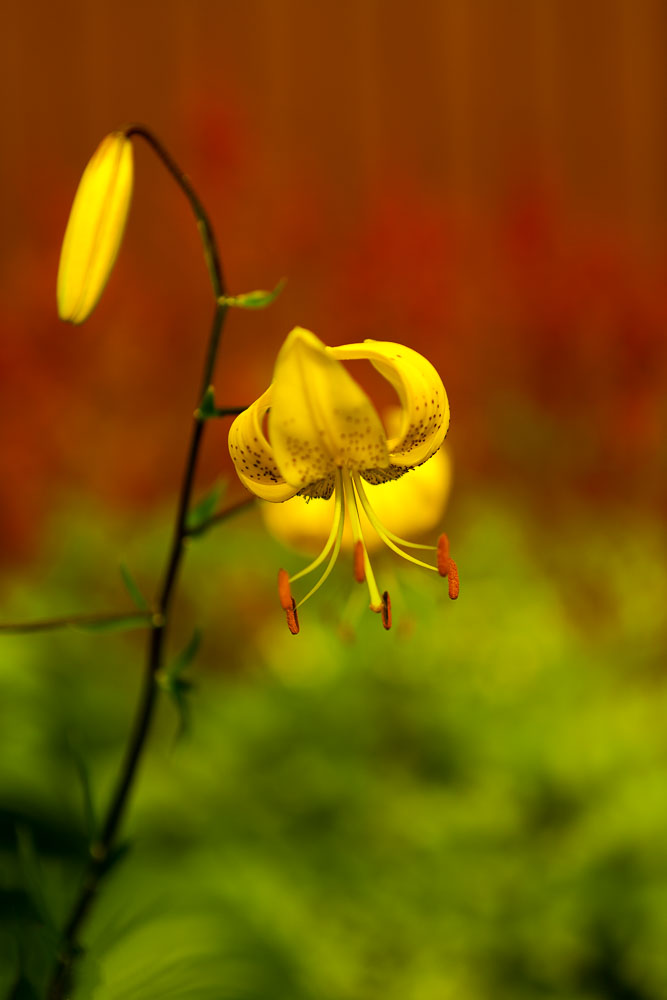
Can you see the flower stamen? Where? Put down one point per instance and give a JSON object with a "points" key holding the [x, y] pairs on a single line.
{"points": [[292, 618], [338, 509], [359, 567], [284, 590], [386, 610], [443, 555], [453, 580], [385, 535], [338, 525]]}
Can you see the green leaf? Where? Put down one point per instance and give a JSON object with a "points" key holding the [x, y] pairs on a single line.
{"points": [[176, 686], [186, 656], [32, 876], [179, 691], [258, 299], [206, 507], [132, 588], [86, 790], [112, 624], [207, 408]]}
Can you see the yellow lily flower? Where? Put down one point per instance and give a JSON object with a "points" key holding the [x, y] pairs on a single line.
{"points": [[325, 438], [95, 228]]}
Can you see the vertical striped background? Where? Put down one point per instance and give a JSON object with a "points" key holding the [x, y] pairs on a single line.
{"points": [[461, 93]]}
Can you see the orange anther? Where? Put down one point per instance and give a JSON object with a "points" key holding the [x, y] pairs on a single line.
{"points": [[359, 562], [443, 555], [386, 610], [453, 580], [292, 618], [284, 590]]}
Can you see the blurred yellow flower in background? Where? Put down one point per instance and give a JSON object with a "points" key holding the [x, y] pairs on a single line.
{"points": [[95, 228], [325, 439]]}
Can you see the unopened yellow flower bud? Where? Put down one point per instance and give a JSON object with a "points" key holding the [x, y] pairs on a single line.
{"points": [[95, 228]]}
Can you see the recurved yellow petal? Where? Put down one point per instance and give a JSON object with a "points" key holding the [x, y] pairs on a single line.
{"points": [[424, 404], [320, 418], [253, 456], [95, 228]]}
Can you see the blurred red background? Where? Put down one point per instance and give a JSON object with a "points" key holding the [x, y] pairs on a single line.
{"points": [[483, 181]]}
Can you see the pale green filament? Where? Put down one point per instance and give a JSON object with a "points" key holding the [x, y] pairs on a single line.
{"points": [[353, 509], [338, 510], [387, 536], [338, 525]]}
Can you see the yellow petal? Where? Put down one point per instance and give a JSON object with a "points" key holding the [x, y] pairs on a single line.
{"points": [[320, 419], [253, 456], [95, 228], [424, 404]]}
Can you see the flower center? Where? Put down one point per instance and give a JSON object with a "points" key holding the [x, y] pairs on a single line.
{"points": [[349, 494]]}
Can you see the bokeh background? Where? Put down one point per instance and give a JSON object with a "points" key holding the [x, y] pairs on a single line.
{"points": [[473, 805]]}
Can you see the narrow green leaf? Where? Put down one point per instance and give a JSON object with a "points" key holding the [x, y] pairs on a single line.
{"points": [[32, 876], [205, 507], [207, 408], [179, 693], [113, 624], [132, 588], [185, 657], [86, 791], [178, 687], [259, 299]]}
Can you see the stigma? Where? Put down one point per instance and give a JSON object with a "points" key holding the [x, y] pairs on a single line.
{"points": [[349, 499]]}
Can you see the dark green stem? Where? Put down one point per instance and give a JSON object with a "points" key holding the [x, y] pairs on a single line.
{"points": [[100, 851], [204, 226]]}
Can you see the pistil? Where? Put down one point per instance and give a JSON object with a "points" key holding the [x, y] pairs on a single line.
{"points": [[357, 534]]}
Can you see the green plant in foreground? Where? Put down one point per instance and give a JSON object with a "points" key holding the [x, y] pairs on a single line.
{"points": [[91, 243]]}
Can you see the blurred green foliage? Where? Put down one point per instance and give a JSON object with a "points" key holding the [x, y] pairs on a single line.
{"points": [[473, 805]]}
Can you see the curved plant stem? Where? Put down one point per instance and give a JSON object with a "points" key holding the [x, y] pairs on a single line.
{"points": [[102, 849], [211, 254]]}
